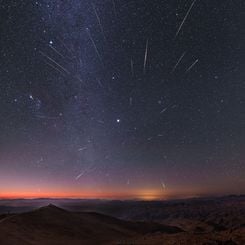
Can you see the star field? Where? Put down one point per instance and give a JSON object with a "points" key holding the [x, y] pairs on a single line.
{"points": [[121, 98]]}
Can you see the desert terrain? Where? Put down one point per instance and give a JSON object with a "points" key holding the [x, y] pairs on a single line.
{"points": [[204, 221]]}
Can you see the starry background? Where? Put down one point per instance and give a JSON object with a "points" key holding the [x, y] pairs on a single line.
{"points": [[121, 98]]}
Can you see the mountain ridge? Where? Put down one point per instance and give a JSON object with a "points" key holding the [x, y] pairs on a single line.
{"points": [[54, 225]]}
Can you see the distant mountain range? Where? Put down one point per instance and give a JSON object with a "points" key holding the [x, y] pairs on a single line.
{"points": [[199, 221]]}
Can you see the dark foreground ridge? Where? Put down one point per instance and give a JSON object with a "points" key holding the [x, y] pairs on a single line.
{"points": [[54, 225], [218, 221]]}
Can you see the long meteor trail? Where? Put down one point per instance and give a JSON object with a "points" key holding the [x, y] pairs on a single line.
{"points": [[95, 47], [99, 21], [192, 65], [179, 60], [146, 54], [183, 21], [55, 62]]}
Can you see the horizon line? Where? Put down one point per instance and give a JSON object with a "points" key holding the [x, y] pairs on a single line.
{"points": [[123, 198]]}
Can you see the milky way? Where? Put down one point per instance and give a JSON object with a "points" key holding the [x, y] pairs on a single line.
{"points": [[122, 98]]}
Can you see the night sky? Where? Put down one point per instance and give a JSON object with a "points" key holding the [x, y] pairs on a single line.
{"points": [[122, 99]]}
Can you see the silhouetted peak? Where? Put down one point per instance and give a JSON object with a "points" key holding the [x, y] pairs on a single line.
{"points": [[52, 207]]}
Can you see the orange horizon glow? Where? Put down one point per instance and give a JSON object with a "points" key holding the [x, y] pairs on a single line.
{"points": [[81, 196], [145, 194], [141, 195]]}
